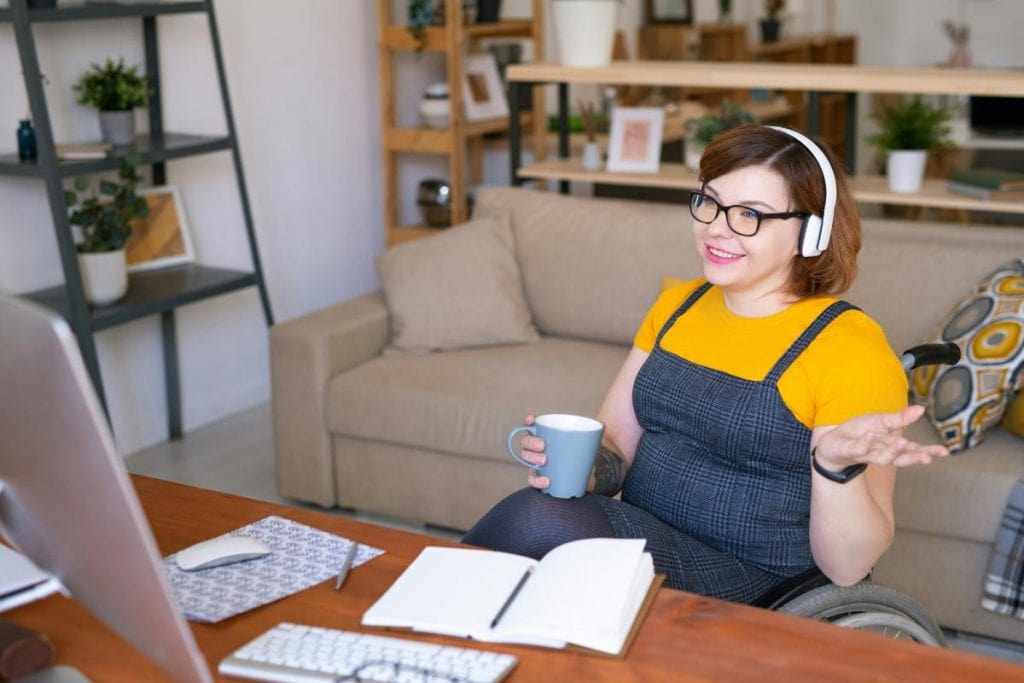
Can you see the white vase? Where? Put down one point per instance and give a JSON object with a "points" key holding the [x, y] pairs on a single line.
{"points": [[591, 159], [585, 30], [104, 276], [905, 169]]}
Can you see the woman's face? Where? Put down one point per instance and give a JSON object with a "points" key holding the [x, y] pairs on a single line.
{"points": [[753, 266]]}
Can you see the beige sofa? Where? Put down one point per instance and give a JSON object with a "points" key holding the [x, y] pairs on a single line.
{"points": [[420, 436]]}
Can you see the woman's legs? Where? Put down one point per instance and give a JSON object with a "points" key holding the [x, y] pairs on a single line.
{"points": [[531, 523]]}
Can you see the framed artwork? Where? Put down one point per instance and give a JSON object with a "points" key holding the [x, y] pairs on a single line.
{"points": [[635, 140], [162, 238], [669, 11], [483, 96]]}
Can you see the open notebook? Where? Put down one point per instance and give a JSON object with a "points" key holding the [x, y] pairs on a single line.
{"points": [[587, 593]]}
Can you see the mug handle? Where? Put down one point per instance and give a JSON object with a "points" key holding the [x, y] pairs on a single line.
{"points": [[511, 437]]}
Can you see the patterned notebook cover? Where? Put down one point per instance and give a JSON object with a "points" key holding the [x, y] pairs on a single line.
{"points": [[300, 557]]}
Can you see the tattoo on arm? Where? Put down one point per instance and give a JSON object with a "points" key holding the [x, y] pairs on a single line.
{"points": [[607, 472]]}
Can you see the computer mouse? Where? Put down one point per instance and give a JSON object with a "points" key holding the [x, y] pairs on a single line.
{"points": [[220, 551]]}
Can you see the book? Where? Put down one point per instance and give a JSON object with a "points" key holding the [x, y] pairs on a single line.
{"points": [[992, 179], [87, 150], [590, 593], [985, 193]]}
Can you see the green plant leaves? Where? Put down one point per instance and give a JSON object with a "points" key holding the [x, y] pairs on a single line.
{"points": [[112, 87], [911, 125], [104, 216]]}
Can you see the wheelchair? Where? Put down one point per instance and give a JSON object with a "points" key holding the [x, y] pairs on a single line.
{"points": [[865, 606]]}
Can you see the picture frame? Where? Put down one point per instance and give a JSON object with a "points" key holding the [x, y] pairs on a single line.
{"points": [[483, 96], [163, 237], [634, 144], [669, 11]]}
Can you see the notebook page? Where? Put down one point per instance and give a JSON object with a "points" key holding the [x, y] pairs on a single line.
{"points": [[582, 592], [452, 591]]}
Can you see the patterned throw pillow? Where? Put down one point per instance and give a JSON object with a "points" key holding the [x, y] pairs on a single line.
{"points": [[966, 399]]}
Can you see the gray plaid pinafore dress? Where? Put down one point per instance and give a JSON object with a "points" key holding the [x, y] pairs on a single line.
{"points": [[721, 483]]}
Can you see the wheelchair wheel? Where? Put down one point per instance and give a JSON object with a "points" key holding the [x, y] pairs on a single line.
{"points": [[869, 606]]}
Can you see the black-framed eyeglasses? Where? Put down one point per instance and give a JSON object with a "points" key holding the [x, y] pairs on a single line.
{"points": [[742, 220]]}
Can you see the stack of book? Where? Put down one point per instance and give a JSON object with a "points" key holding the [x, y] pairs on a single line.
{"points": [[82, 150], [988, 183]]}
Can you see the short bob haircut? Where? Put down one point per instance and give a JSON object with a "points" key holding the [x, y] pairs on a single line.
{"points": [[833, 271]]}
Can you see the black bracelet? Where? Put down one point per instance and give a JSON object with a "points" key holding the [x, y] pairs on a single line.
{"points": [[843, 475]]}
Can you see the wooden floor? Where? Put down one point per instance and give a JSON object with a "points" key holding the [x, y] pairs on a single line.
{"points": [[236, 455]]}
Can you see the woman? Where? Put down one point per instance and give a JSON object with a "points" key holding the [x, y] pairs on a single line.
{"points": [[751, 400]]}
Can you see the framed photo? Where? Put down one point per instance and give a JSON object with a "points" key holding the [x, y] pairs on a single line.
{"points": [[635, 141], [669, 11], [162, 238], [483, 96]]}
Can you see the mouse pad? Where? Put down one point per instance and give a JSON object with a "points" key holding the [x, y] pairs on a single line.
{"points": [[300, 557]]}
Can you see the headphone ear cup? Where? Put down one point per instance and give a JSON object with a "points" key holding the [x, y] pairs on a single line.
{"points": [[810, 235]]}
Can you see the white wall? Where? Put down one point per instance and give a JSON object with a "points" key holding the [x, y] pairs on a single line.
{"points": [[303, 82], [303, 79]]}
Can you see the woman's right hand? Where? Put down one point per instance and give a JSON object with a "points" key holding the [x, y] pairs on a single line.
{"points": [[531, 449]]}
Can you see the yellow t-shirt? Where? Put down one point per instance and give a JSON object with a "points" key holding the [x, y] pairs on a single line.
{"points": [[848, 370]]}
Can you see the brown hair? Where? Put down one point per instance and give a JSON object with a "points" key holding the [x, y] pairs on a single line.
{"points": [[833, 271]]}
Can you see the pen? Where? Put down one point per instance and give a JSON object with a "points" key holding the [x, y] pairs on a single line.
{"points": [[346, 564], [515, 592]]}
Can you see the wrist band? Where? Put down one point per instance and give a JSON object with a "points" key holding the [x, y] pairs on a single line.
{"points": [[840, 477]]}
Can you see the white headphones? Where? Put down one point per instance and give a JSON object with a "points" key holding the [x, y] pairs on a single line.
{"points": [[816, 230]]}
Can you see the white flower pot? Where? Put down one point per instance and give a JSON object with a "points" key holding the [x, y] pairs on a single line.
{"points": [[585, 30], [905, 169], [104, 276]]}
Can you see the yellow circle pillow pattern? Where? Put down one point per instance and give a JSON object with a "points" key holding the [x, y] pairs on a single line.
{"points": [[966, 399]]}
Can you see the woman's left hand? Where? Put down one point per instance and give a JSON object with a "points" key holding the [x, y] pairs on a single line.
{"points": [[876, 438]]}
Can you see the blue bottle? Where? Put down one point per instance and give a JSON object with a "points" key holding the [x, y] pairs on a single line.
{"points": [[26, 140]]}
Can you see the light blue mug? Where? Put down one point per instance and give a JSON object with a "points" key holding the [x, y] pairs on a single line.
{"points": [[570, 442]]}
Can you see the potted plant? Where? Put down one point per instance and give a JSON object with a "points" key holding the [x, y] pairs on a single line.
{"points": [[699, 132], [115, 90], [772, 20], [103, 217], [585, 30], [908, 131]]}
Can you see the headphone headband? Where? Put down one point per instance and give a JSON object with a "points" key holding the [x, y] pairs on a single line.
{"points": [[817, 229]]}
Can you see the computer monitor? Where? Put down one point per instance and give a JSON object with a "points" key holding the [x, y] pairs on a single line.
{"points": [[998, 116], [66, 500]]}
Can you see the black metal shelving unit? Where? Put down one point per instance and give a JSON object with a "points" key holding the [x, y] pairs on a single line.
{"points": [[149, 292]]}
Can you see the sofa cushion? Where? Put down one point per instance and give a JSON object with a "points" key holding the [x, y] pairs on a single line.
{"points": [[912, 272], [960, 496], [1013, 420], [593, 267], [456, 289], [966, 399], [465, 402]]}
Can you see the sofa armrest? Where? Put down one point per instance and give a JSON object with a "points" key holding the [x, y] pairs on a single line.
{"points": [[304, 354]]}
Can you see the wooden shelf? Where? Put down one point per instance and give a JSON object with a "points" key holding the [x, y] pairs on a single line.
{"points": [[811, 77], [462, 143], [866, 188], [407, 233], [397, 36]]}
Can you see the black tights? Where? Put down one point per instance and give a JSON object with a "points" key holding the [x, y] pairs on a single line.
{"points": [[531, 523]]}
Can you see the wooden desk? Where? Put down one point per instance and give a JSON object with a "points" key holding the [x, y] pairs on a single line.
{"points": [[685, 637]]}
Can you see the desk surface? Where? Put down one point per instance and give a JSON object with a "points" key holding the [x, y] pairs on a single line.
{"points": [[685, 637]]}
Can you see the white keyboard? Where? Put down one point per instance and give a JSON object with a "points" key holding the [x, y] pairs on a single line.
{"points": [[292, 653]]}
